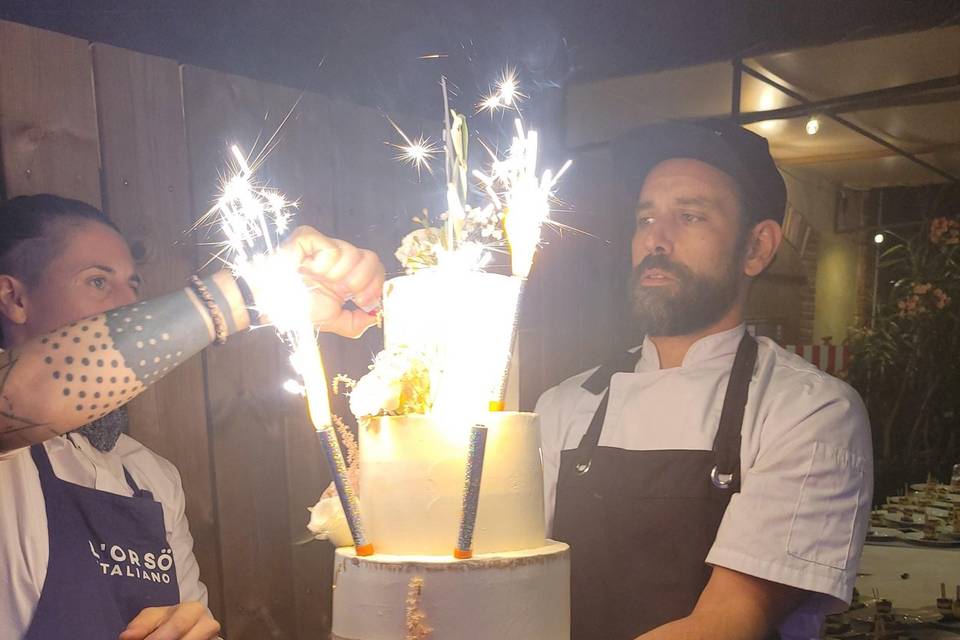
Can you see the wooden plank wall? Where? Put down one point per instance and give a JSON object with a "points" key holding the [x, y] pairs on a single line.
{"points": [[48, 122], [146, 191], [145, 138]]}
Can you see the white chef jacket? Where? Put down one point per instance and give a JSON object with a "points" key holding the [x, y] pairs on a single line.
{"points": [[24, 543], [806, 459]]}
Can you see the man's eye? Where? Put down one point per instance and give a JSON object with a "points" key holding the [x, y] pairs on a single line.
{"points": [[686, 216], [644, 221]]}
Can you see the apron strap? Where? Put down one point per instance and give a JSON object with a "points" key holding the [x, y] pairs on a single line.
{"points": [[133, 483], [44, 467], [726, 474], [596, 384], [40, 458]]}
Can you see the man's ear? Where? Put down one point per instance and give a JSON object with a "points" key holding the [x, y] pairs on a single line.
{"points": [[13, 304], [762, 245]]}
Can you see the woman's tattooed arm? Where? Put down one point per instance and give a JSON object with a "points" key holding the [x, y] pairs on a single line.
{"points": [[78, 373]]}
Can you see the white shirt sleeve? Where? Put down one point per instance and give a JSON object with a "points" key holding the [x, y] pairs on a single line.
{"points": [[801, 516], [181, 541], [23, 542]]}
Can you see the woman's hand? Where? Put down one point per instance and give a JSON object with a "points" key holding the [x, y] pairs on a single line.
{"points": [[184, 621], [336, 271]]}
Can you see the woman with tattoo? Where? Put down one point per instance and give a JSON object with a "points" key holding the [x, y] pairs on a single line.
{"points": [[94, 543]]}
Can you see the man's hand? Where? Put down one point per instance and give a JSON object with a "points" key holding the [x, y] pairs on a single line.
{"points": [[338, 271], [184, 621]]}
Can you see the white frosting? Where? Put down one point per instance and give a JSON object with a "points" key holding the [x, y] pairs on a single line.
{"points": [[464, 320], [411, 484], [521, 595]]}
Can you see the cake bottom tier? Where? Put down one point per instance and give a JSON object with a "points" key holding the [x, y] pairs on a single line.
{"points": [[518, 595]]}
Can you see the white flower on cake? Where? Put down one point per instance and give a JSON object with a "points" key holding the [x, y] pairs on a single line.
{"points": [[375, 394], [418, 249], [327, 520], [398, 383]]}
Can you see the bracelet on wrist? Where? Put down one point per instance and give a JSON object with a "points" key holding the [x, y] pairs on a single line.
{"points": [[248, 300], [216, 315]]}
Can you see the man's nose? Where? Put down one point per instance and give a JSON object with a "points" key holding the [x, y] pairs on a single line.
{"points": [[658, 238]]}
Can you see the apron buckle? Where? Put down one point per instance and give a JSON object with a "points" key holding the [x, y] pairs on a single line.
{"points": [[583, 467], [720, 480]]}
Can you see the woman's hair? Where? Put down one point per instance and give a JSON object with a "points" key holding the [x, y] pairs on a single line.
{"points": [[33, 229]]}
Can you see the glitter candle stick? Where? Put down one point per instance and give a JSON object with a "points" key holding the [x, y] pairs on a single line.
{"points": [[471, 492], [309, 363], [498, 403], [348, 498]]}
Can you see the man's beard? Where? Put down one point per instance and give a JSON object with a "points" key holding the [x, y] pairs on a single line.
{"points": [[689, 304]]}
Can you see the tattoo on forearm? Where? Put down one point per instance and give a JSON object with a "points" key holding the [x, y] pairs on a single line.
{"points": [[154, 337], [94, 366], [8, 360]]}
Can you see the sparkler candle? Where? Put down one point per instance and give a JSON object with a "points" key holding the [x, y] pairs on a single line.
{"points": [[253, 219], [525, 203], [471, 492]]}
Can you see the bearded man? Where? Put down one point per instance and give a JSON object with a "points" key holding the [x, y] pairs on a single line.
{"points": [[710, 484]]}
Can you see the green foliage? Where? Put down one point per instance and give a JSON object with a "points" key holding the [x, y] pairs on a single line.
{"points": [[907, 365]]}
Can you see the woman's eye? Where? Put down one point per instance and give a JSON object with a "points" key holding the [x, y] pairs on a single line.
{"points": [[99, 282]]}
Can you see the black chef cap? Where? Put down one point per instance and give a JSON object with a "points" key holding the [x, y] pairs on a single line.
{"points": [[741, 154]]}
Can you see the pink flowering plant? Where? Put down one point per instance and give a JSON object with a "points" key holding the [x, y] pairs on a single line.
{"points": [[907, 364]]}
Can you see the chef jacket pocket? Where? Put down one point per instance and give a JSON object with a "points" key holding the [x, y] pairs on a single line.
{"points": [[825, 518]]}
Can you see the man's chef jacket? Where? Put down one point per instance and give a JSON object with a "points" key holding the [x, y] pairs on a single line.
{"points": [[802, 512]]}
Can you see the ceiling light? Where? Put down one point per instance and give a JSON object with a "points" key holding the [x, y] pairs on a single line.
{"points": [[878, 239], [813, 126]]}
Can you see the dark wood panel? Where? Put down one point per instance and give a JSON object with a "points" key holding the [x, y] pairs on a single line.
{"points": [[147, 193], [246, 402], [48, 123]]}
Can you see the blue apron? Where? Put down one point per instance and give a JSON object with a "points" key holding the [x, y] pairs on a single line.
{"points": [[109, 559]]}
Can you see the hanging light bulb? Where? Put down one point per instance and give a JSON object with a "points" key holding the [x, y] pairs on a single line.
{"points": [[813, 125], [879, 238]]}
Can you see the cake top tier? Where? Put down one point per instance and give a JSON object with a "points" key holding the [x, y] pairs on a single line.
{"points": [[461, 323]]}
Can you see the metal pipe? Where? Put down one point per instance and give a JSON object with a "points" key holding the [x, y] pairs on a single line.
{"points": [[877, 99], [853, 127], [736, 88]]}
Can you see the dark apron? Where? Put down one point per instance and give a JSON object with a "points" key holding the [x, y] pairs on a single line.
{"points": [[640, 523], [109, 559]]}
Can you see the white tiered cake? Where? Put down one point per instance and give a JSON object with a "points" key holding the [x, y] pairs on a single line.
{"points": [[516, 586]]}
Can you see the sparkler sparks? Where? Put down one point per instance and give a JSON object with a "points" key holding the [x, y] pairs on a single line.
{"points": [[519, 206], [417, 152], [523, 197], [505, 94]]}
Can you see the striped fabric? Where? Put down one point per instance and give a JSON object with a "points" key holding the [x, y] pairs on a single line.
{"points": [[828, 357]]}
